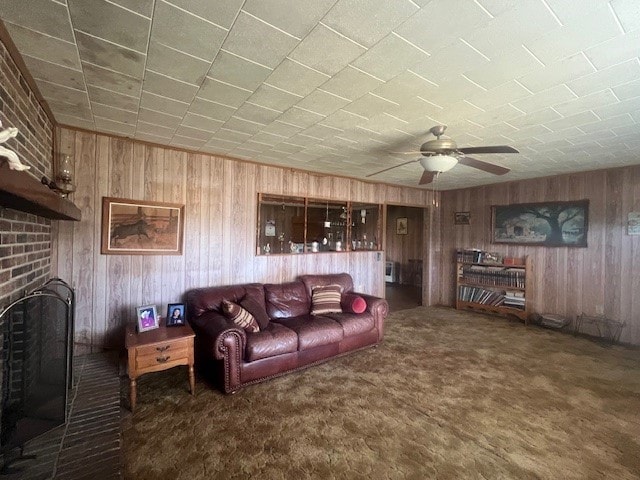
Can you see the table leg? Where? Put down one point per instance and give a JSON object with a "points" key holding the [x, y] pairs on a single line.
{"points": [[192, 380], [133, 393]]}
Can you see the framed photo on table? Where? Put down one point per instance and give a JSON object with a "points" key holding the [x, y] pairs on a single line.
{"points": [[147, 318], [175, 315]]}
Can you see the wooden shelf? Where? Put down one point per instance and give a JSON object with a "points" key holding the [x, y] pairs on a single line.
{"points": [[21, 191], [493, 287], [500, 309]]}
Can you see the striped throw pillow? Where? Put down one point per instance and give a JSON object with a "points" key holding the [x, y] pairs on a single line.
{"points": [[239, 316], [326, 300]]}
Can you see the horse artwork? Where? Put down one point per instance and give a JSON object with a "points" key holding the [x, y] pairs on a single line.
{"points": [[10, 155], [131, 227]]}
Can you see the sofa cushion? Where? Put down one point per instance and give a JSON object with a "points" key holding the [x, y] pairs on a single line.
{"points": [[285, 300], [326, 299], [353, 303], [353, 323], [342, 279], [240, 316], [256, 309], [313, 331], [274, 340]]}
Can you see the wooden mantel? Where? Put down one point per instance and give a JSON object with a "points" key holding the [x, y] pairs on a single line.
{"points": [[21, 191]]}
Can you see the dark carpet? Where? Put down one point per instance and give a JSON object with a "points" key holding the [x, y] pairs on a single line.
{"points": [[448, 395]]}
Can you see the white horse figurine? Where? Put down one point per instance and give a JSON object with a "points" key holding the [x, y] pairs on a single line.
{"points": [[14, 161]]}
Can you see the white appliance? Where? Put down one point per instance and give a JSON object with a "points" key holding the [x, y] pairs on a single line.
{"points": [[390, 272]]}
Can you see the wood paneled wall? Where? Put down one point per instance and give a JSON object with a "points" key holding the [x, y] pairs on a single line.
{"points": [[220, 232], [602, 278]]}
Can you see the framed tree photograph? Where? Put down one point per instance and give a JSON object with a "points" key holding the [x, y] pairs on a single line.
{"points": [[548, 224], [137, 227], [175, 315], [147, 318], [401, 226]]}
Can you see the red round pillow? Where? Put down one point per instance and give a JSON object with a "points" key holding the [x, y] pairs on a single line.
{"points": [[354, 303]]}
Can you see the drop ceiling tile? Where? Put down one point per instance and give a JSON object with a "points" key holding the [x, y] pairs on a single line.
{"points": [[175, 64], [286, 148], [256, 113], [187, 142], [326, 51], [73, 121], [296, 78], [506, 93], [63, 94], [214, 110], [526, 133], [152, 129], [322, 102], [321, 131], [123, 27], [163, 104], [455, 112], [545, 98], [351, 83], [616, 50], [81, 109], [108, 97], [109, 80], [201, 122], [185, 32], [111, 126], [230, 136], [304, 140], [230, 68], [220, 13], [143, 7], [281, 129], [368, 21], [581, 33], [627, 90], [506, 67], [115, 114], [152, 138], [271, 97], [238, 124], [99, 52], [620, 108], [628, 13], [217, 146], [426, 28], [247, 39], [606, 78], [588, 102], [159, 118], [558, 72], [496, 115], [446, 62], [369, 105], [44, 47], [452, 89], [574, 120], [293, 16], [538, 117], [191, 132], [43, 16], [566, 10], [42, 70], [266, 139], [217, 91], [383, 124], [609, 124], [389, 57], [168, 87], [406, 86]]}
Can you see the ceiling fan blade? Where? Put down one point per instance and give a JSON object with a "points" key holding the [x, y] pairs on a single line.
{"points": [[416, 152], [427, 177], [493, 149], [484, 166], [391, 168]]}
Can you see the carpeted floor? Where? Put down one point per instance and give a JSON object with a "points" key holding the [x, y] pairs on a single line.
{"points": [[448, 395]]}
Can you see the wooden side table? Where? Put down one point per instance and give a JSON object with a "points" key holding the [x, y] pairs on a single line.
{"points": [[157, 350]]}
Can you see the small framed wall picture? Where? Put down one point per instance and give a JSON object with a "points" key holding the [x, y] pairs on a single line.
{"points": [[402, 226], [147, 318], [175, 315], [633, 223], [462, 218]]}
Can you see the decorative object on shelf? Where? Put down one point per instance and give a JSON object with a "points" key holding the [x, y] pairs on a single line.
{"points": [[267, 249], [10, 155], [63, 184], [147, 318], [548, 224], [137, 227], [175, 315], [270, 228], [401, 226], [633, 223], [462, 218]]}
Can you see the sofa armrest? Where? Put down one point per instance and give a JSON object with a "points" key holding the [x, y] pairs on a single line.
{"points": [[219, 336], [379, 308]]}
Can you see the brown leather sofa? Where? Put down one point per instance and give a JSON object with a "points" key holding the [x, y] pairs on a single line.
{"points": [[293, 338]]}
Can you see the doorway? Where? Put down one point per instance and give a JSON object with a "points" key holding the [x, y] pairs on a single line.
{"points": [[405, 252]]}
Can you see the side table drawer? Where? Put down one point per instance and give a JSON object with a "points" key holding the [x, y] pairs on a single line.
{"points": [[165, 348], [165, 358]]}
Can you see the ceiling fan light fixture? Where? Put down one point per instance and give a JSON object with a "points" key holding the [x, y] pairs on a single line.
{"points": [[438, 163]]}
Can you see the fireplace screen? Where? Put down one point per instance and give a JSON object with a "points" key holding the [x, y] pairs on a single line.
{"points": [[36, 363]]}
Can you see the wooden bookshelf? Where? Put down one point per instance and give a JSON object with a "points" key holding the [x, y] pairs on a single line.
{"points": [[498, 288]]}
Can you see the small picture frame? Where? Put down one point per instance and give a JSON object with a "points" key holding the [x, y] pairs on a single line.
{"points": [[401, 226], [175, 315], [147, 318], [462, 218]]}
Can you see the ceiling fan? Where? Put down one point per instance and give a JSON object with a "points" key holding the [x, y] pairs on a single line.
{"points": [[443, 154]]}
